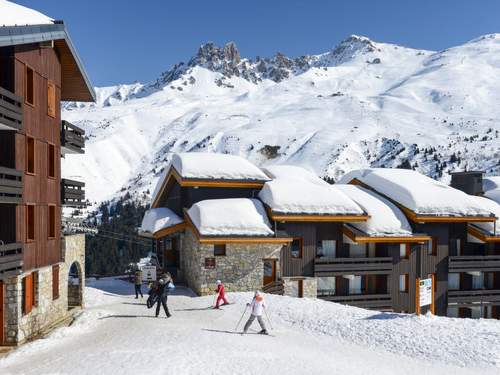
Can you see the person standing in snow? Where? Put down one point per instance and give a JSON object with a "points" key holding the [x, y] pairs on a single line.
{"points": [[164, 286], [138, 284], [221, 294], [257, 306]]}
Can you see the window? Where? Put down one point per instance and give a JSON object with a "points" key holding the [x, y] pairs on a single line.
{"points": [[459, 246], [52, 222], [453, 281], [357, 250], [404, 251], [51, 99], [55, 282], [403, 283], [30, 222], [51, 159], [326, 286], [30, 155], [29, 89], [477, 280], [296, 248], [220, 250], [432, 246], [28, 294], [326, 248], [355, 283]]}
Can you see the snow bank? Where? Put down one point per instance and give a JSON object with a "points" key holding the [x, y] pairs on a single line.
{"points": [[385, 218], [12, 14], [230, 217], [493, 194], [157, 219], [493, 207], [216, 166], [419, 193], [491, 183], [301, 196]]}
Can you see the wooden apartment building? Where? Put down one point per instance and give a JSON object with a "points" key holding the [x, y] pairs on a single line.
{"points": [[39, 68]]}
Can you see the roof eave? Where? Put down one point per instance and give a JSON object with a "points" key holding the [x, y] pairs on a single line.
{"points": [[17, 35]]}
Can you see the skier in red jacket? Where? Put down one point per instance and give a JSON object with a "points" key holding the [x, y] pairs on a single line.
{"points": [[221, 295]]}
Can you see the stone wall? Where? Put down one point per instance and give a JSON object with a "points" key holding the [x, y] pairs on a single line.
{"points": [[48, 311], [241, 269], [309, 286]]}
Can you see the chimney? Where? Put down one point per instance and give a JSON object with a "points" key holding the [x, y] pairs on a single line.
{"points": [[470, 182]]}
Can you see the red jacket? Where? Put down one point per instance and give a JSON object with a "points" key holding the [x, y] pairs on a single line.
{"points": [[220, 289]]}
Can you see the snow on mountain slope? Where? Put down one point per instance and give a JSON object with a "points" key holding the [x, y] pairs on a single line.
{"points": [[117, 332], [361, 104]]}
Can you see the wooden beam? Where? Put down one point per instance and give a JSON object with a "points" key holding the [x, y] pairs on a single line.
{"points": [[315, 218], [388, 239], [166, 231], [481, 235]]}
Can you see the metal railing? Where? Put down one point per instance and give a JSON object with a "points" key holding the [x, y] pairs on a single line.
{"points": [[11, 259], [72, 193], [342, 266], [465, 263], [11, 110], [72, 138], [11, 185]]}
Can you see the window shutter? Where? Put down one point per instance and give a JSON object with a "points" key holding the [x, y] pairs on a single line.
{"points": [[51, 99], [28, 290]]}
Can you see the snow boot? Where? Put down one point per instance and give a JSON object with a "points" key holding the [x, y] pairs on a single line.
{"points": [[263, 332]]}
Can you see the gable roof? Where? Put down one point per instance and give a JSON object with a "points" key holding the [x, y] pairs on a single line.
{"points": [[21, 25], [420, 197], [208, 170]]}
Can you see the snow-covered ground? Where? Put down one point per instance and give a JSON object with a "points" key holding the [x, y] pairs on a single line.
{"points": [[117, 334]]}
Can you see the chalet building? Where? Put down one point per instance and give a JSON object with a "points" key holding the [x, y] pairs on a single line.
{"points": [[446, 215], [39, 68]]}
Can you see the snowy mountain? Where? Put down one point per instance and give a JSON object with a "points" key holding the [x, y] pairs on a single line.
{"points": [[361, 104]]}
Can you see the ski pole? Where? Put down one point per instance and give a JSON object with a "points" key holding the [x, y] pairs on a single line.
{"points": [[242, 315], [267, 316]]}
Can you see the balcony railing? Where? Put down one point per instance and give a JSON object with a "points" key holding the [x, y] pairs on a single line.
{"points": [[11, 111], [72, 193], [11, 259], [466, 263], [11, 185], [361, 300], [324, 267], [474, 297], [72, 138]]}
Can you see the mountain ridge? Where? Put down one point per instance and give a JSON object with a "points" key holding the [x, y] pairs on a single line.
{"points": [[363, 103]]}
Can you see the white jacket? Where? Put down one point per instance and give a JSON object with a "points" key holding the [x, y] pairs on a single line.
{"points": [[257, 307]]}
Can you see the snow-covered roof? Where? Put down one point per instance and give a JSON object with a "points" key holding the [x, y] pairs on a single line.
{"points": [[385, 218], [493, 207], [295, 190], [213, 166], [417, 192], [293, 172], [157, 219], [12, 14], [491, 183], [493, 194], [230, 217]]}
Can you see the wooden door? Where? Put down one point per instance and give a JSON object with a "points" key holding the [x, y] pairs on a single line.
{"points": [[300, 288], [171, 253], [2, 313], [269, 271]]}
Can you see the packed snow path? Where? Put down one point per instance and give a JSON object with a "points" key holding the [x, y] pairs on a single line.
{"points": [[117, 334]]}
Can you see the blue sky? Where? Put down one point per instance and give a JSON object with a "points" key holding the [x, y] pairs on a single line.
{"points": [[127, 40]]}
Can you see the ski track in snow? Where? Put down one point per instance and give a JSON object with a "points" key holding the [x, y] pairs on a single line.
{"points": [[117, 334]]}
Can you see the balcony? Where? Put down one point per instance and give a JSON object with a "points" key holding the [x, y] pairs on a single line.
{"points": [[72, 139], [324, 267], [370, 301], [11, 111], [467, 263], [11, 259], [72, 193], [11, 185], [474, 297]]}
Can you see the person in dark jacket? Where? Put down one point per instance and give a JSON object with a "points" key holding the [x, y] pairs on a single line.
{"points": [[138, 284], [164, 285]]}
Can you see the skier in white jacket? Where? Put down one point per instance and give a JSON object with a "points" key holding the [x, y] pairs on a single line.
{"points": [[257, 305]]}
